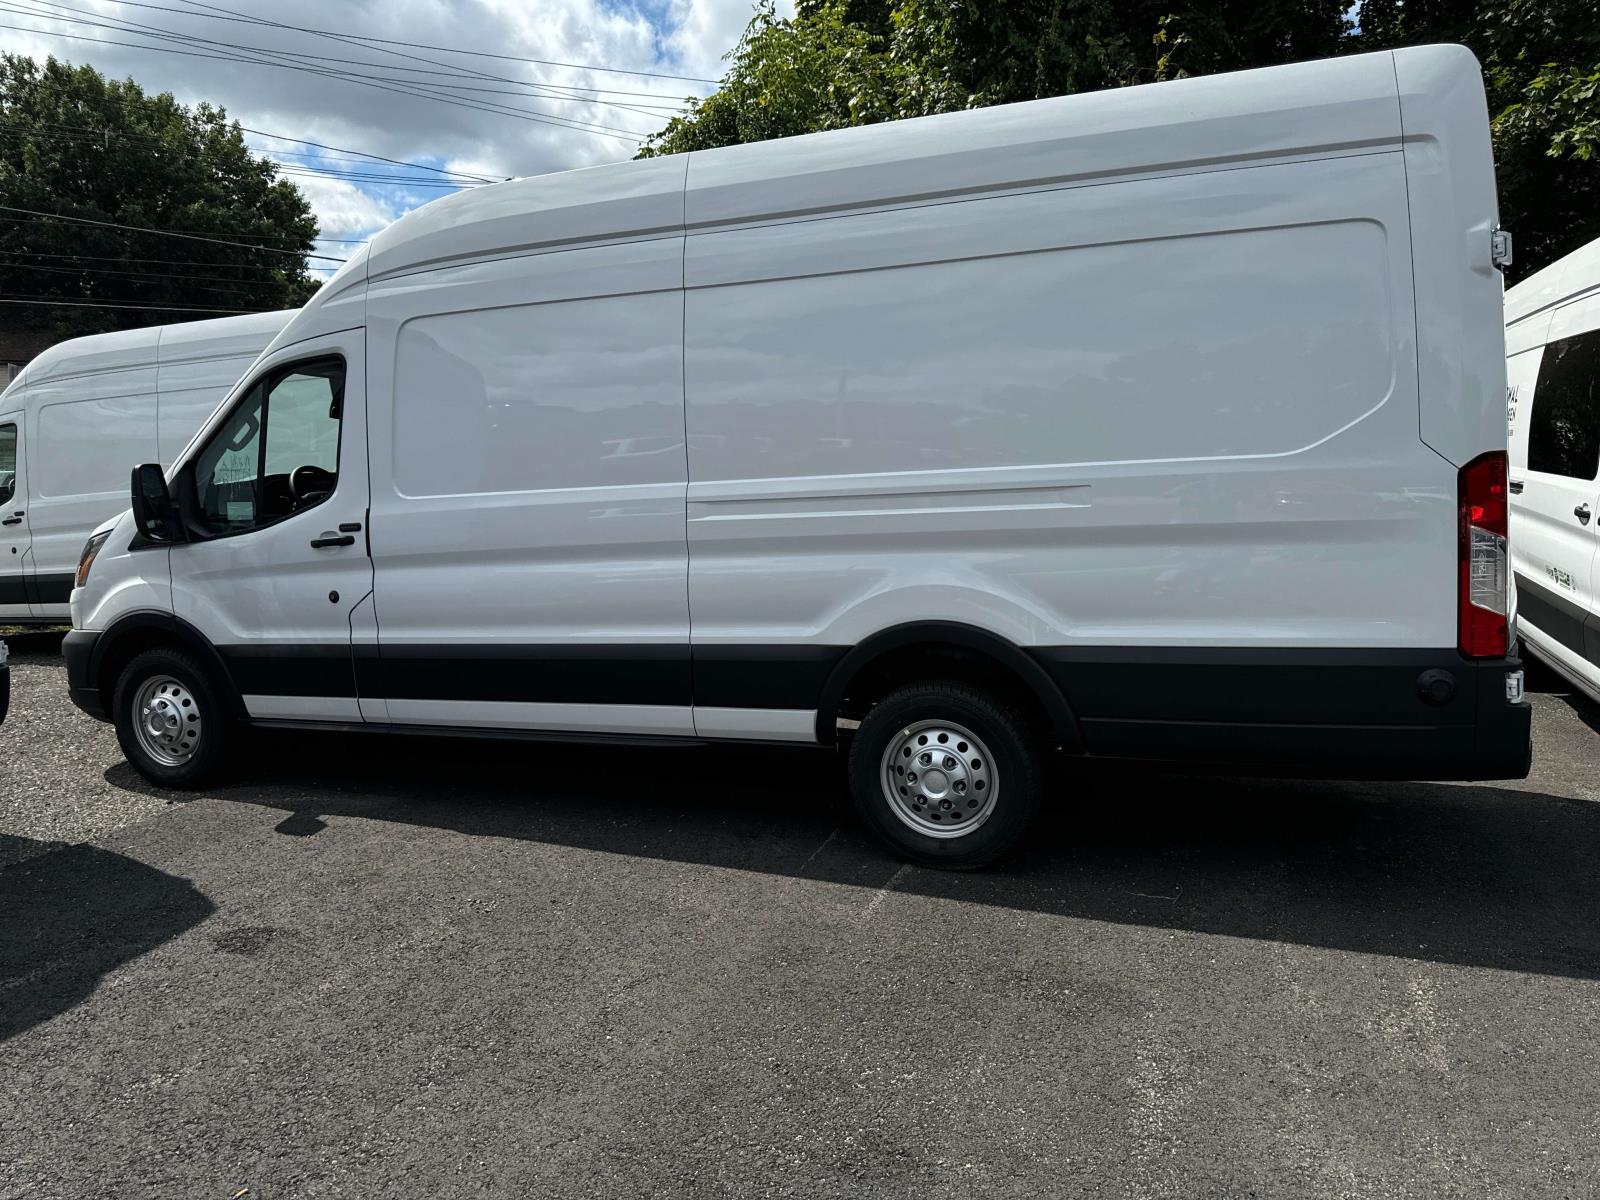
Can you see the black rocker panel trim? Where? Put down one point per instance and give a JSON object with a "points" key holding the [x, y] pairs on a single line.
{"points": [[570, 674], [763, 676], [303, 670], [1337, 712], [36, 589], [1259, 686], [1574, 626]]}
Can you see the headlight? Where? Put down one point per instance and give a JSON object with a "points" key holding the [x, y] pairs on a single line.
{"points": [[86, 559]]}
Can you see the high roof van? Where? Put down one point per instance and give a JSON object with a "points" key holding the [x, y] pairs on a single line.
{"points": [[79, 417], [1164, 422], [1553, 405]]}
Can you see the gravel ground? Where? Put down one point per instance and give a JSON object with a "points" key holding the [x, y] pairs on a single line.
{"points": [[373, 967]]}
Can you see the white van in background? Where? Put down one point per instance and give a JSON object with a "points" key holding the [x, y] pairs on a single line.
{"points": [[1142, 423], [1553, 402], [79, 418]]}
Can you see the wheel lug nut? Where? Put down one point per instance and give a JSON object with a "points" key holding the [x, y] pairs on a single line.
{"points": [[925, 759], [949, 762]]}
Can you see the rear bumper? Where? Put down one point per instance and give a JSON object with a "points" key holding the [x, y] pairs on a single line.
{"points": [[78, 649], [1340, 714]]}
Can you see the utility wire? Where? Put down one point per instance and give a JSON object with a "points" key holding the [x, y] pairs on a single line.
{"points": [[364, 154], [546, 90], [117, 258], [145, 307], [404, 88], [450, 68], [192, 237], [542, 62], [142, 229], [498, 110], [145, 276]]}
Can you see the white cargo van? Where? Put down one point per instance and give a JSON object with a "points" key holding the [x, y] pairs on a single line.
{"points": [[1142, 423], [1553, 402], [79, 417]]}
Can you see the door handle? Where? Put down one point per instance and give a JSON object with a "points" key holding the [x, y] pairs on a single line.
{"points": [[332, 539], [1516, 487], [16, 520], [1582, 513]]}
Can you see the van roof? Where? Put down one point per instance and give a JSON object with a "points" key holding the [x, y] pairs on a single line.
{"points": [[1210, 122], [142, 347], [1562, 280]]}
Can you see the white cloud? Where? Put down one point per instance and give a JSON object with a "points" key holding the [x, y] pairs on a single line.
{"points": [[328, 101], [343, 210]]}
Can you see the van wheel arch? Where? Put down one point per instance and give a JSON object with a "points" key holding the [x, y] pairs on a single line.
{"points": [[943, 650], [133, 634]]}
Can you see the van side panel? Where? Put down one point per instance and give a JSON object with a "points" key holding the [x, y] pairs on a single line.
{"points": [[1011, 413], [86, 433], [527, 525], [1460, 293]]}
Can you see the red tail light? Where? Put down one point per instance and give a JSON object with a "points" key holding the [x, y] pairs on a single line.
{"points": [[1483, 557]]}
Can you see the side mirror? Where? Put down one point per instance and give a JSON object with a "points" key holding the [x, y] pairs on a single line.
{"points": [[153, 510]]}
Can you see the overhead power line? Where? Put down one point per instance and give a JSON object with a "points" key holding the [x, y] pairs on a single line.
{"points": [[449, 70], [117, 258], [541, 62], [172, 233], [147, 276], [344, 62], [146, 307], [398, 162], [241, 53]]}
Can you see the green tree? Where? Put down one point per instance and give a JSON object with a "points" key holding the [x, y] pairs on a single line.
{"points": [[75, 144], [851, 62]]}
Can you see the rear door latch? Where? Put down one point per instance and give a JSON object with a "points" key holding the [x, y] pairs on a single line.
{"points": [[1500, 248]]}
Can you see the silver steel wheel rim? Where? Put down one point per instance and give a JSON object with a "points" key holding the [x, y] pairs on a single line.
{"points": [[939, 778], [166, 719]]}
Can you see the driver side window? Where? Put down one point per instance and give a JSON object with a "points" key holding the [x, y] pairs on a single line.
{"points": [[276, 454]]}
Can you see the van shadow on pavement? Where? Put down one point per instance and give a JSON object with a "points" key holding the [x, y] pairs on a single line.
{"points": [[71, 915], [1481, 876]]}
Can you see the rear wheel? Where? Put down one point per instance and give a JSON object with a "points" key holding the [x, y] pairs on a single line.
{"points": [[947, 775], [170, 720]]}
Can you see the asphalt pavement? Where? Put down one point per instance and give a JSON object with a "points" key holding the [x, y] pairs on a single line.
{"points": [[385, 967]]}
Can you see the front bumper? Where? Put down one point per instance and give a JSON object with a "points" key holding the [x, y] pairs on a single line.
{"points": [[78, 648]]}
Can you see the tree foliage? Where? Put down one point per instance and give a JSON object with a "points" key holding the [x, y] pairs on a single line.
{"points": [[76, 144], [839, 63]]}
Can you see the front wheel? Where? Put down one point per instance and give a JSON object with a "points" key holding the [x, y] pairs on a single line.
{"points": [[947, 775], [170, 720]]}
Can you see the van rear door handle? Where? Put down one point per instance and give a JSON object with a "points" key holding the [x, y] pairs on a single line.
{"points": [[1582, 513], [332, 539], [1516, 487]]}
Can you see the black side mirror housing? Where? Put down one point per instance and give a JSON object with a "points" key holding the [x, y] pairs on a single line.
{"points": [[154, 512]]}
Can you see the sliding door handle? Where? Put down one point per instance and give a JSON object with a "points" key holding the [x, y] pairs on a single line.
{"points": [[332, 539]]}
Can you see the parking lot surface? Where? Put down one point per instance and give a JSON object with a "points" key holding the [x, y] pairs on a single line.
{"points": [[403, 967]]}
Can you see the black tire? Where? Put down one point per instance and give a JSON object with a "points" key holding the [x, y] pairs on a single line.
{"points": [[214, 718], [1014, 745]]}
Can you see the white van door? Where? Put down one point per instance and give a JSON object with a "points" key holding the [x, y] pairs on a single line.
{"points": [[14, 542], [1556, 498], [280, 482], [528, 472]]}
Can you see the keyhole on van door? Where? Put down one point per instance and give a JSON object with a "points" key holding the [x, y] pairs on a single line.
{"points": [[333, 597]]}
